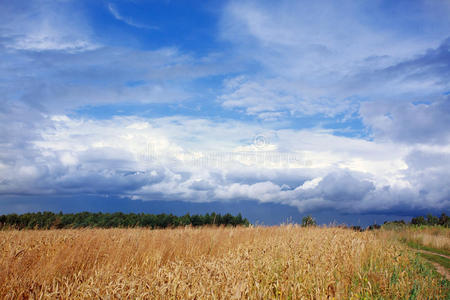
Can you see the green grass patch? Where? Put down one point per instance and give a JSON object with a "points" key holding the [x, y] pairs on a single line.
{"points": [[422, 264], [416, 245], [445, 262]]}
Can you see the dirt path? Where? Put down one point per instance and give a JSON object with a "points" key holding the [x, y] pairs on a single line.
{"points": [[434, 253], [440, 269]]}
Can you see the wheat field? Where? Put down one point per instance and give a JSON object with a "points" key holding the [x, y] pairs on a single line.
{"points": [[281, 262]]}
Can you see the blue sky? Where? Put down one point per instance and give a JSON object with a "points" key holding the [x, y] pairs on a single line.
{"points": [[278, 109]]}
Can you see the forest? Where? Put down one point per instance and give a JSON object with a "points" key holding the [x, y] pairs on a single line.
{"points": [[50, 220]]}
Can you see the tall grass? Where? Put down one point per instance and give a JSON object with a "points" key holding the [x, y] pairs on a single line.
{"points": [[211, 263], [434, 238]]}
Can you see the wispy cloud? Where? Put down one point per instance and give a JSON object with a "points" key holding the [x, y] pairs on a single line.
{"points": [[127, 20], [45, 27], [314, 56]]}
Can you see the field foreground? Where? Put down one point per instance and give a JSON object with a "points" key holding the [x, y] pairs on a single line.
{"points": [[220, 263]]}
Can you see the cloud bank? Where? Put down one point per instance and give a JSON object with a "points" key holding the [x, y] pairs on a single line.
{"points": [[157, 159]]}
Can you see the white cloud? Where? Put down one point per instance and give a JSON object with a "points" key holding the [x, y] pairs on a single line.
{"points": [[45, 25], [63, 82], [324, 57], [418, 123], [271, 99], [129, 21], [112, 157]]}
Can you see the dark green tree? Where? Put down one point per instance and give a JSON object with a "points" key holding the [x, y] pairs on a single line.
{"points": [[420, 220], [432, 220], [444, 220], [308, 221]]}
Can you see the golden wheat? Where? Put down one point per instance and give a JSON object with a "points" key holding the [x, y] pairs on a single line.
{"points": [[283, 262]]}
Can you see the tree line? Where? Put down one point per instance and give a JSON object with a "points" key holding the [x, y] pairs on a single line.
{"points": [[50, 220], [429, 219]]}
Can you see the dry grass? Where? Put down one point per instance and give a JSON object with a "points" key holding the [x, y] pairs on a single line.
{"points": [[217, 263], [435, 237]]}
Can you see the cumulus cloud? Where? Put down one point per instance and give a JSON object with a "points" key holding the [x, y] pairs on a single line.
{"points": [[111, 157]]}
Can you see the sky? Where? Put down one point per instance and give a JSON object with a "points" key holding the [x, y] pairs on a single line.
{"points": [[276, 109]]}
